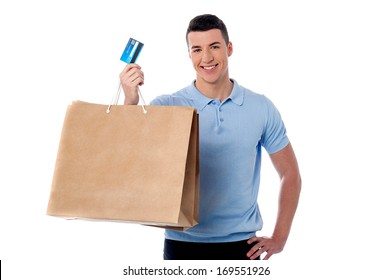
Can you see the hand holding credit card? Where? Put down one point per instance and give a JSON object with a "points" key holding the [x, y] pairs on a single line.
{"points": [[129, 56]]}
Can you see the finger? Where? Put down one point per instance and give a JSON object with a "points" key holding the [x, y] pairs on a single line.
{"points": [[253, 239], [131, 66], [132, 78], [268, 255], [128, 68], [258, 253], [130, 72], [138, 81], [125, 70], [254, 250]]}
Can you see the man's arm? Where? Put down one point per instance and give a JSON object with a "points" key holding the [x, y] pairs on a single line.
{"points": [[287, 168]]}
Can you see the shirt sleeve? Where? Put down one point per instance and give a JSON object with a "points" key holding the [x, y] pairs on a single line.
{"points": [[162, 100], [274, 137], [171, 100]]}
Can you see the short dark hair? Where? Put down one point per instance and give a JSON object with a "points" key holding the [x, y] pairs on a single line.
{"points": [[207, 22]]}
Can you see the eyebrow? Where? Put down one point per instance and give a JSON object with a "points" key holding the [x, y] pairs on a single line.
{"points": [[214, 43]]}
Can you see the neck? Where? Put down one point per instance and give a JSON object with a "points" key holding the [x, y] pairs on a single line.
{"points": [[219, 90]]}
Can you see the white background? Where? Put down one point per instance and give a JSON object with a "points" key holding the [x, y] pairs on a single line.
{"points": [[325, 64]]}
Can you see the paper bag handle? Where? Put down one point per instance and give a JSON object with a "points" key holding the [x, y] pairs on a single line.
{"points": [[114, 100]]}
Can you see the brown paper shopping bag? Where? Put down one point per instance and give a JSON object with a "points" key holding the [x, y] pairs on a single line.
{"points": [[127, 165]]}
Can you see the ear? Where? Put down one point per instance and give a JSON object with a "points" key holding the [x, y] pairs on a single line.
{"points": [[230, 49]]}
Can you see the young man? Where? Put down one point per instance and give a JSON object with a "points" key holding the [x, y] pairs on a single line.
{"points": [[235, 123]]}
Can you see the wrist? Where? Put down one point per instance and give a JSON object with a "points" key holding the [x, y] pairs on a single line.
{"points": [[280, 237], [130, 101]]}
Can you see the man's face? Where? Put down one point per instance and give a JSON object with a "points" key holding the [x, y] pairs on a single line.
{"points": [[209, 55]]}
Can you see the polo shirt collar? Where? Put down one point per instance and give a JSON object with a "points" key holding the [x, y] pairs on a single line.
{"points": [[201, 101]]}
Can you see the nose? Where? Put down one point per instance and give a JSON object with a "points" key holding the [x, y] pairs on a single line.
{"points": [[207, 56]]}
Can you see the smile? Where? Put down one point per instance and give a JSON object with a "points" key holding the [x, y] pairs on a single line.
{"points": [[209, 67]]}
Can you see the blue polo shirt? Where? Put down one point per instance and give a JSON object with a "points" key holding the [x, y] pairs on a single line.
{"points": [[231, 134]]}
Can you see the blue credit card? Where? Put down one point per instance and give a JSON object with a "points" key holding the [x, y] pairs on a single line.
{"points": [[132, 50]]}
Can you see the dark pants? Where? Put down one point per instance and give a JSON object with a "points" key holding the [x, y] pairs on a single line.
{"points": [[179, 250]]}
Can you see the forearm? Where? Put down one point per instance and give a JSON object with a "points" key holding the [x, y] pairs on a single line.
{"points": [[288, 201]]}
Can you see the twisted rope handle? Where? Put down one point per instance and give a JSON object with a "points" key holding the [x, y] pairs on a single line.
{"points": [[115, 98]]}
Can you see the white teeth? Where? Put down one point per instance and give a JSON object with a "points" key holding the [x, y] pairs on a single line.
{"points": [[209, 67]]}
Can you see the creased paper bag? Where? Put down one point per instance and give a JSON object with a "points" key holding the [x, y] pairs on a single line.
{"points": [[127, 165]]}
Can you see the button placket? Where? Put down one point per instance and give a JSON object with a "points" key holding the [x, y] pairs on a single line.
{"points": [[218, 109], [218, 113]]}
